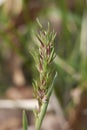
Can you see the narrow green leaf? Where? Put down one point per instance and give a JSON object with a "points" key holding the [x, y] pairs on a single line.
{"points": [[39, 23], [25, 123]]}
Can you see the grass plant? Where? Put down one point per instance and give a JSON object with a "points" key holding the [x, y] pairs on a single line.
{"points": [[43, 84]]}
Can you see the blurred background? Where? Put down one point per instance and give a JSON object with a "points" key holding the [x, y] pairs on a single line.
{"points": [[68, 18]]}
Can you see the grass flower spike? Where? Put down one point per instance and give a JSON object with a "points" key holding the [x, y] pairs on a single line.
{"points": [[42, 85]]}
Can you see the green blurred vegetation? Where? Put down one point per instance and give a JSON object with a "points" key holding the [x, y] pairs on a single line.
{"points": [[68, 19]]}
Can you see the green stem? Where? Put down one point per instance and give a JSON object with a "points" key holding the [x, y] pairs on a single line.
{"points": [[44, 106], [25, 123]]}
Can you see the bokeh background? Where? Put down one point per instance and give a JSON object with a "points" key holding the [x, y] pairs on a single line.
{"points": [[18, 25]]}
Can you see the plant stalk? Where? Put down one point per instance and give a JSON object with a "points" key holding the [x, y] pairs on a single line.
{"points": [[44, 106]]}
